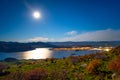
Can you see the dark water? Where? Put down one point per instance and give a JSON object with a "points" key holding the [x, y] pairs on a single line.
{"points": [[43, 53]]}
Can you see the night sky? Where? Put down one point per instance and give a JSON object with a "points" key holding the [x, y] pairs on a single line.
{"points": [[61, 20]]}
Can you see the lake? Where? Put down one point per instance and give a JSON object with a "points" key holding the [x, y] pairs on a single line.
{"points": [[43, 53]]}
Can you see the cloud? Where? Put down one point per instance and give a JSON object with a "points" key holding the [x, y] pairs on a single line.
{"points": [[99, 35], [37, 39], [71, 32]]}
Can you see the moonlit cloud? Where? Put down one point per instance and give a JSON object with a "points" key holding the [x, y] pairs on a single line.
{"points": [[99, 35], [37, 39], [71, 33]]}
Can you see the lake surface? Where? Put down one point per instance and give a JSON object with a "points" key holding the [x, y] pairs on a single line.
{"points": [[43, 53]]}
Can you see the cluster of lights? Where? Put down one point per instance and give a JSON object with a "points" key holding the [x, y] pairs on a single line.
{"points": [[107, 49]]}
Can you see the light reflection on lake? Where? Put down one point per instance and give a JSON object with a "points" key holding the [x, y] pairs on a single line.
{"points": [[38, 53], [43, 53]]}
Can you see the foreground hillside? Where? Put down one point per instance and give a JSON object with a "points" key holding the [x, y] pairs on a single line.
{"points": [[99, 66]]}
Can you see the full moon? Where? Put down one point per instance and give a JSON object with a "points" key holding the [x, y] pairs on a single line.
{"points": [[36, 15]]}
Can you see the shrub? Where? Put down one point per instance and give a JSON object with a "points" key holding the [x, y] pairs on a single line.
{"points": [[114, 64], [18, 75], [74, 59], [54, 74], [36, 74], [2, 68], [92, 66], [116, 50], [61, 75], [100, 56], [79, 76]]}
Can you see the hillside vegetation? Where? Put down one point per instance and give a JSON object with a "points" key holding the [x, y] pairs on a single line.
{"points": [[99, 66]]}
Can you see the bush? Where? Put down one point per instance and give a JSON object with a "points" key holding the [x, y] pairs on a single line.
{"points": [[92, 66], [79, 76], [74, 59], [54, 74], [114, 65], [17, 75], [116, 51], [2, 68], [59, 75], [36, 74]]}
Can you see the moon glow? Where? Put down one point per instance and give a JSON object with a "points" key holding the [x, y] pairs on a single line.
{"points": [[36, 15]]}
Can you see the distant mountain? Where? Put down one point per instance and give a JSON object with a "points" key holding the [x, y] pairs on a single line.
{"points": [[86, 43], [40, 44], [14, 47], [18, 47]]}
